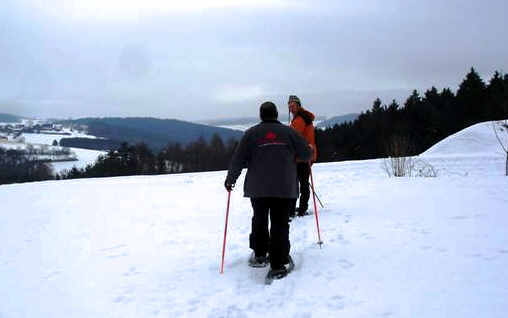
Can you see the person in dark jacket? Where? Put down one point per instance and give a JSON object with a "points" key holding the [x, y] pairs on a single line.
{"points": [[269, 151]]}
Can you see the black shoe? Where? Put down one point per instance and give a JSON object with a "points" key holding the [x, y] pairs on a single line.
{"points": [[278, 273], [258, 261], [287, 266], [302, 211]]}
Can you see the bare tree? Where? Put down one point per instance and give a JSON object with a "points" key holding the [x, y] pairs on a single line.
{"points": [[501, 131], [399, 162]]}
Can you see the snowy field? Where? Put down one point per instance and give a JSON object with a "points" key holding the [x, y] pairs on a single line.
{"points": [[48, 139], [84, 156], [149, 246]]}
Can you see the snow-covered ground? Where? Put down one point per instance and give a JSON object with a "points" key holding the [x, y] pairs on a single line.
{"points": [[149, 246], [48, 139], [85, 157]]}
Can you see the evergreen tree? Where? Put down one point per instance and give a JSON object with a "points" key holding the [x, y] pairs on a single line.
{"points": [[471, 99], [497, 97]]}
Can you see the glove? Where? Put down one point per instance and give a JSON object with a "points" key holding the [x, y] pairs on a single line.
{"points": [[229, 187]]}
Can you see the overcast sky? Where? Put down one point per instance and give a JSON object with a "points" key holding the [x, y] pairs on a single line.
{"points": [[202, 59]]}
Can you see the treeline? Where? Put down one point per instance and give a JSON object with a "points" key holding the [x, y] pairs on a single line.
{"points": [[410, 129], [197, 156], [45, 150], [90, 143], [140, 160], [18, 166]]}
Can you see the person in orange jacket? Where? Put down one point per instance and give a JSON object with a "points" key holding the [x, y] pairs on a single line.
{"points": [[302, 122]]}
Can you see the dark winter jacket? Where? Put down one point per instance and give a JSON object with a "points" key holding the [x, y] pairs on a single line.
{"points": [[268, 151]]}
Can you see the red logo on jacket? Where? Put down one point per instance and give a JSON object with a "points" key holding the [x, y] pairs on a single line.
{"points": [[270, 139], [270, 136]]}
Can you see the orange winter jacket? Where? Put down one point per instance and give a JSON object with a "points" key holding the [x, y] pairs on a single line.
{"points": [[303, 123]]}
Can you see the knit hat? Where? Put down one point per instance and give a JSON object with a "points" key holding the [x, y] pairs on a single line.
{"points": [[268, 111], [294, 98]]}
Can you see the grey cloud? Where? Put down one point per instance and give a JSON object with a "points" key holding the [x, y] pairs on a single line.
{"points": [[338, 55]]}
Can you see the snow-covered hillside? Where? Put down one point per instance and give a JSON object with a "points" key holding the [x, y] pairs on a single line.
{"points": [[473, 151], [149, 246], [477, 140]]}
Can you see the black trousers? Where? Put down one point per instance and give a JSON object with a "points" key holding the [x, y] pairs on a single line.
{"points": [[276, 240], [303, 173]]}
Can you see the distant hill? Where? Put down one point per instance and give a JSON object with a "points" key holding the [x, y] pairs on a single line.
{"points": [[156, 133], [7, 118], [243, 123], [232, 121], [337, 120]]}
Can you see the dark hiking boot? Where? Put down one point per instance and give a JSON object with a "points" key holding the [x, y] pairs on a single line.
{"points": [[302, 211], [258, 261], [280, 272]]}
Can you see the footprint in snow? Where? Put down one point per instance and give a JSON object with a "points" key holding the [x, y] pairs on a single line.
{"points": [[367, 236], [345, 264], [421, 231], [459, 217], [231, 311], [340, 239], [131, 272], [193, 304], [113, 248], [117, 255], [52, 274], [336, 302], [115, 251], [123, 299]]}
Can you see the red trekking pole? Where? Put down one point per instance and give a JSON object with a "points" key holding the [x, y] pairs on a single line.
{"points": [[225, 232], [315, 206]]}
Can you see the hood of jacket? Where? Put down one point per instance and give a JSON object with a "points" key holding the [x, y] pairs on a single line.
{"points": [[307, 116]]}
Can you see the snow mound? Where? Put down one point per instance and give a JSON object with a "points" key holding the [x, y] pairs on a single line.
{"points": [[475, 141]]}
